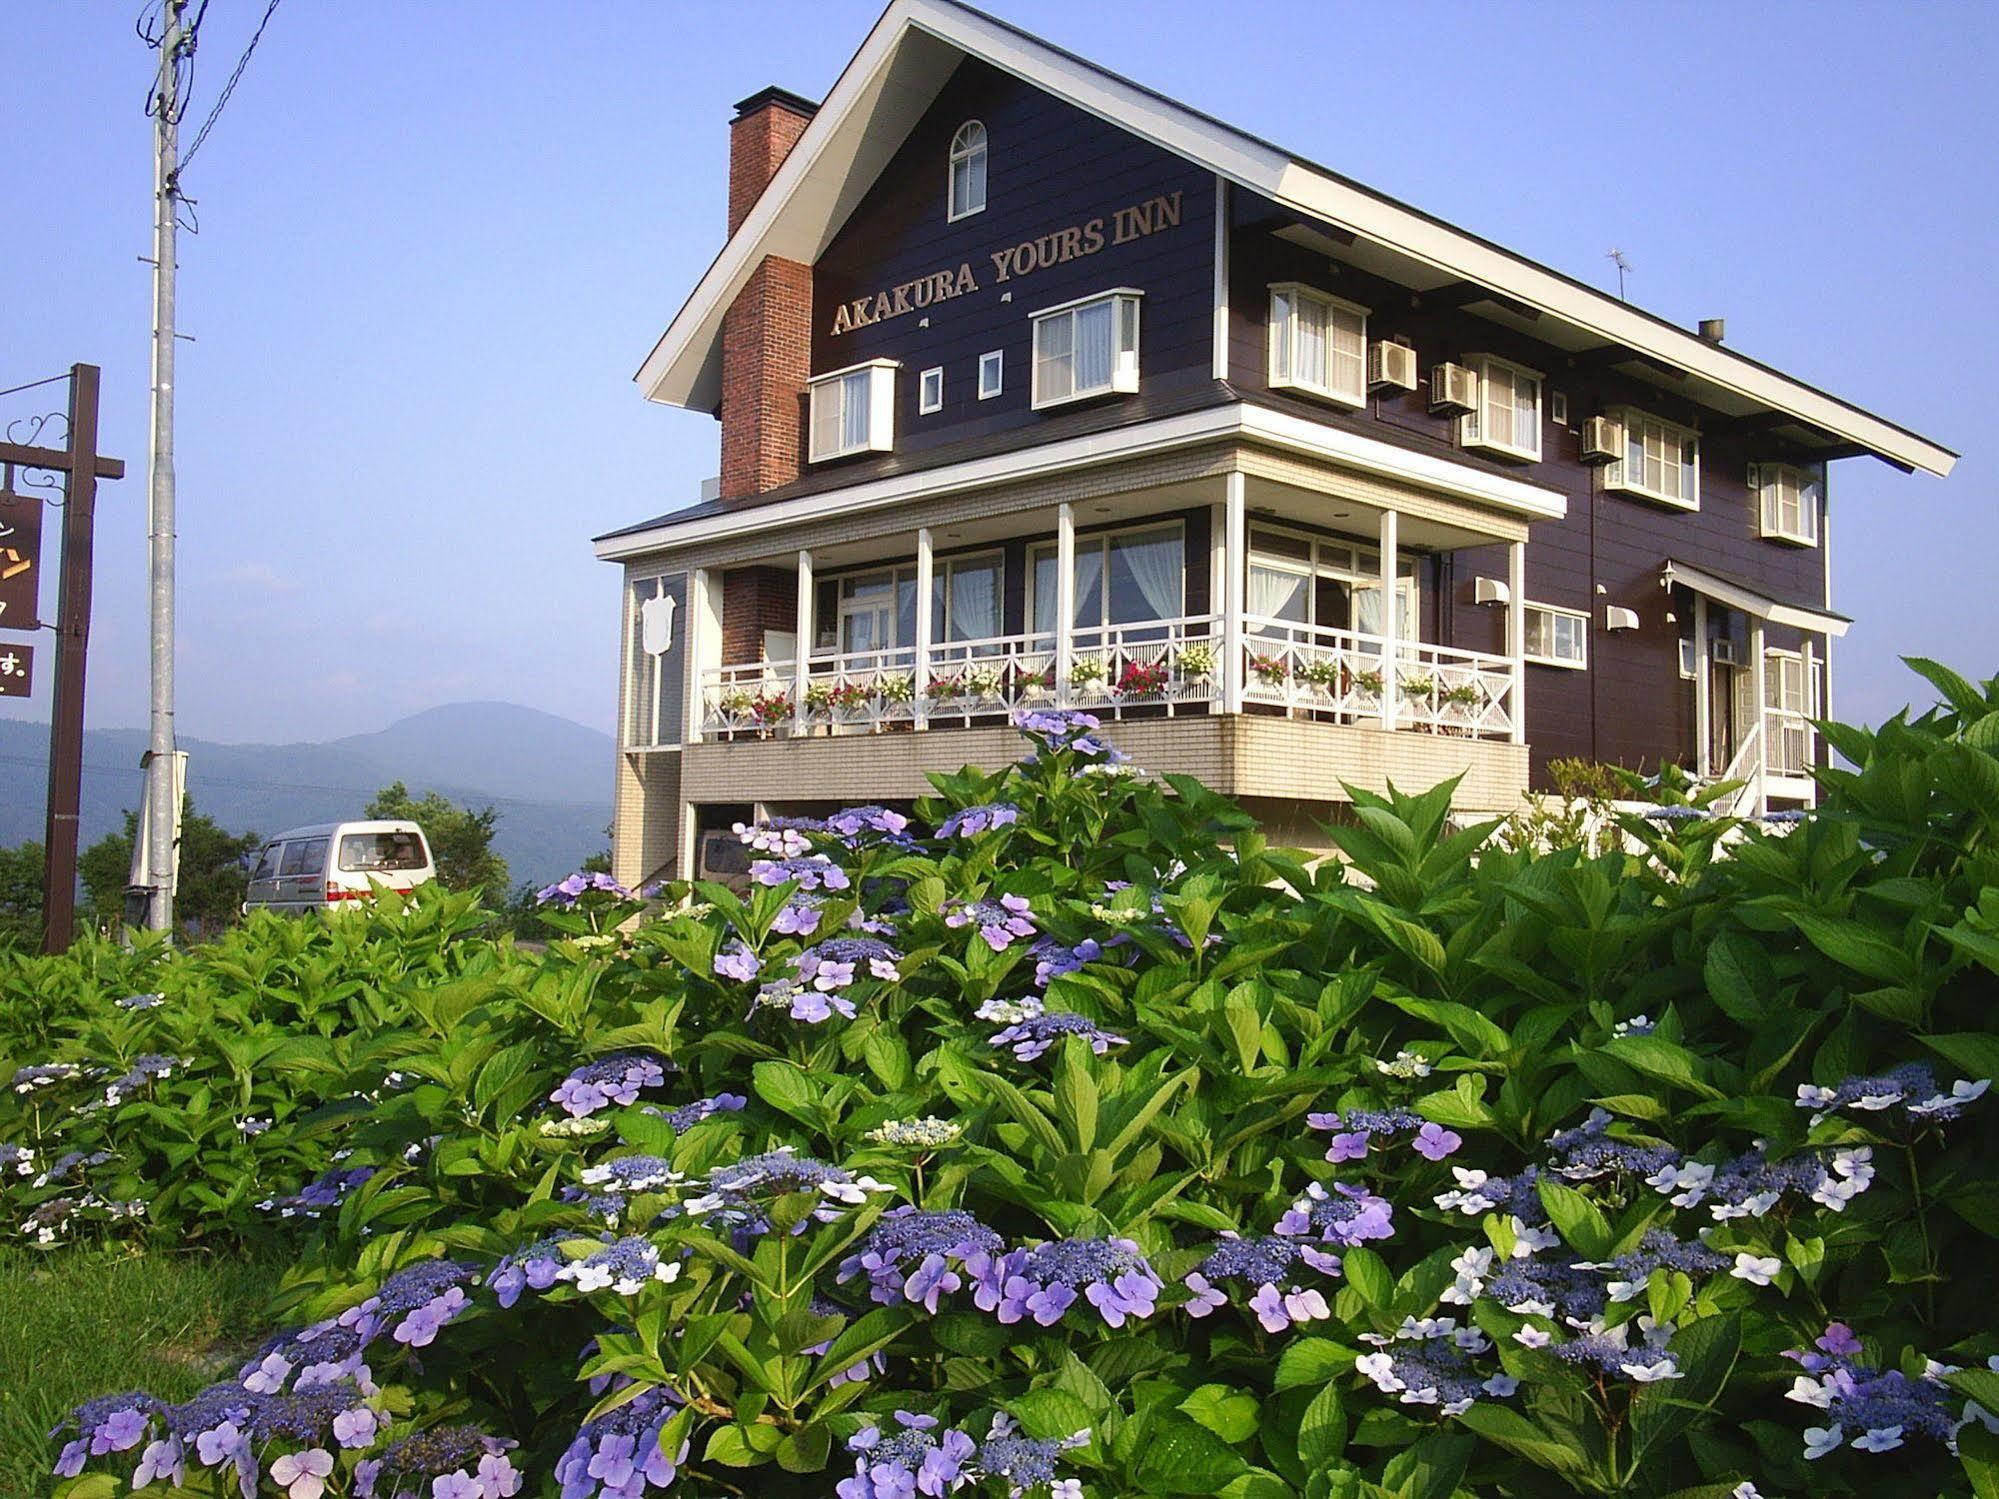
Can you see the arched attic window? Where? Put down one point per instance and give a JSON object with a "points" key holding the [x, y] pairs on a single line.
{"points": [[968, 171]]}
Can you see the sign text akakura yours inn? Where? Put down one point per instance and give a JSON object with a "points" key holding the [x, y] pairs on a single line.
{"points": [[1030, 255]]}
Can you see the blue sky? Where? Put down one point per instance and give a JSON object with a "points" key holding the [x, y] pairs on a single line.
{"points": [[436, 240]]}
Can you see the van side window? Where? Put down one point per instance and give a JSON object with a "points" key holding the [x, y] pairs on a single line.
{"points": [[307, 856], [267, 862]]}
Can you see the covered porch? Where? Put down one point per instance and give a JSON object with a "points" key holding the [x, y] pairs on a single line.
{"points": [[1251, 591]]}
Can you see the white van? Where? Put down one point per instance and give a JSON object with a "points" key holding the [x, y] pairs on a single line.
{"points": [[320, 868]]}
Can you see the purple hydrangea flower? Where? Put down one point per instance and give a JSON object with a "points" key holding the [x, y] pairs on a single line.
{"points": [[999, 922], [413, 1465], [913, 1459], [1348, 1216], [608, 1080], [536, 1266], [736, 961], [1053, 959], [854, 823], [326, 1190], [799, 918], [969, 822], [684, 1118], [736, 1195], [1270, 1266], [1434, 1142], [915, 1255], [567, 892], [810, 871], [1032, 1036], [784, 837], [832, 964], [618, 1455], [1112, 1275]]}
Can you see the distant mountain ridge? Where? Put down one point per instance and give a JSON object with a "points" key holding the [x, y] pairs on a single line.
{"points": [[548, 777]]}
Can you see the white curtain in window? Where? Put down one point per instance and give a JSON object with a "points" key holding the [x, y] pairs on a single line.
{"points": [[1153, 562], [1277, 594], [1309, 342], [1054, 344], [1093, 346], [854, 410], [974, 612], [1345, 368]]}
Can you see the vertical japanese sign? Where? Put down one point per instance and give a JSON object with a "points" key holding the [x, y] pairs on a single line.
{"points": [[17, 670], [20, 559]]}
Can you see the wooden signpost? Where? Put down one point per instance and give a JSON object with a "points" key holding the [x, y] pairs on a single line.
{"points": [[81, 466]]}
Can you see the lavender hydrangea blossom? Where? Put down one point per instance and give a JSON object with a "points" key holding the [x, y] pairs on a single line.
{"points": [[1428, 1361], [1884, 1406], [855, 825], [831, 966], [783, 837], [1031, 1036], [1349, 1216], [1066, 730], [1053, 959], [618, 1455], [912, 1458], [1270, 1266], [324, 1191], [999, 922], [969, 822], [1908, 1094], [736, 1196], [809, 871], [1043, 1282], [444, 1462], [915, 1255], [684, 1118], [799, 917], [811, 1006], [736, 961], [608, 1080], [568, 891]]}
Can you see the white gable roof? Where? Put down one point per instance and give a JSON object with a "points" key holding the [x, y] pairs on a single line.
{"points": [[912, 51]]}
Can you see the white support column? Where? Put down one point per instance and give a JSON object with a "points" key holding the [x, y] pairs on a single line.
{"points": [[689, 849], [1758, 685], [1235, 576], [1703, 689], [803, 636], [1391, 619], [1220, 363], [1516, 633], [926, 563], [1065, 597], [1813, 708], [702, 649]]}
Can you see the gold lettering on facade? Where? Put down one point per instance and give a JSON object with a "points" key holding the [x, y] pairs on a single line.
{"points": [[1037, 254]]}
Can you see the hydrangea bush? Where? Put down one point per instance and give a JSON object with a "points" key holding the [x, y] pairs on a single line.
{"points": [[1064, 1138]]}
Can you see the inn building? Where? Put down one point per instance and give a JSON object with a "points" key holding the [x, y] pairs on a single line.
{"points": [[1037, 387]]}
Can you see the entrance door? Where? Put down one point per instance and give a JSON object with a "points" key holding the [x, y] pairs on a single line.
{"points": [[1727, 688]]}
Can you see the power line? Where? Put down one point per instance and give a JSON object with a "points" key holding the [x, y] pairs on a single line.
{"points": [[228, 88], [243, 785]]}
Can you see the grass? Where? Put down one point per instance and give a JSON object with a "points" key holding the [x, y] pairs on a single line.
{"points": [[85, 1322]]}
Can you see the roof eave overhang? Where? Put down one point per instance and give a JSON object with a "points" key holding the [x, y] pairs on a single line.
{"points": [[802, 208], [1749, 601]]}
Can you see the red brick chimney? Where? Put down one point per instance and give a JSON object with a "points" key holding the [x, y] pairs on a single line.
{"points": [[767, 332]]}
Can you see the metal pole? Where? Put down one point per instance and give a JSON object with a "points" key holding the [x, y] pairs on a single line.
{"points": [[160, 768], [72, 639]]}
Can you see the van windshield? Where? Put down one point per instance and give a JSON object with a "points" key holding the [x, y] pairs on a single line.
{"points": [[371, 852]]}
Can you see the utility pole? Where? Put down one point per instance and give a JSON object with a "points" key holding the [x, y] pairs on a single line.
{"points": [[162, 814]]}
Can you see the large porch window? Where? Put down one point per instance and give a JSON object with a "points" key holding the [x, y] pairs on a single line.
{"points": [[1122, 578], [1302, 581], [875, 611]]}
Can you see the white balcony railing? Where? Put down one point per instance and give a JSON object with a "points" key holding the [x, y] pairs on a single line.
{"points": [[1148, 668], [1342, 675]]}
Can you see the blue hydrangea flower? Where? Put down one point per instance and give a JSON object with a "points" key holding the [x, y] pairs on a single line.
{"points": [[140, 1001], [874, 1363], [618, 1455], [854, 823], [1906, 1093], [736, 1195], [809, 871], [799, 918], [150, 1068], [568, 891], [1348, 1216], [1270, 1267], [625, 1267], [455, 1462], [1032, 1036], [684, 1118], [1045, 1281], [784, 837], [831, 966], [736, 961], [1065, 729], [811, 1006], [969, 822], [1429, 1362], [326, 1190], [535, 1266], [1053, 959], [912, 1458], [915, 1255], [608, 1080], [999, 922]]}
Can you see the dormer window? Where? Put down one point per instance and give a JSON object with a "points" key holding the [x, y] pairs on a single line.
{"points": [[1508, 418], [853, 410], [968, 171], [1790, 498], [1662, 461], [1318, 344]]}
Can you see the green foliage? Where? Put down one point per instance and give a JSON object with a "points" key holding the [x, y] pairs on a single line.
{"points": [[21, 896], [1615, 1020], [461, 838], [209, 896]]}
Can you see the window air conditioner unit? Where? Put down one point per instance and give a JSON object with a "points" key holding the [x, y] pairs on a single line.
{"points": [[1617, 617], [1603, 440], [1725, 651], [1453, 390], [1490, 591], [1391, 364]]}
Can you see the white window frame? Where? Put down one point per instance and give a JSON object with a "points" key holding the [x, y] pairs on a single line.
{"points": [[1793, 723], [992, 362], [1283, 362], [1474, 430], [1124, 305], [1643, 428], [965, 149], [872, 380], [638, 590], [1100, 543], [1558, 407], [1360, 570], [930, 391], [1807, 491], [1553, 612]]}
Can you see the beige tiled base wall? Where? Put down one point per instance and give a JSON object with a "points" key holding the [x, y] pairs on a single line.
{"points": [[1294, 769], [645, 836]]}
